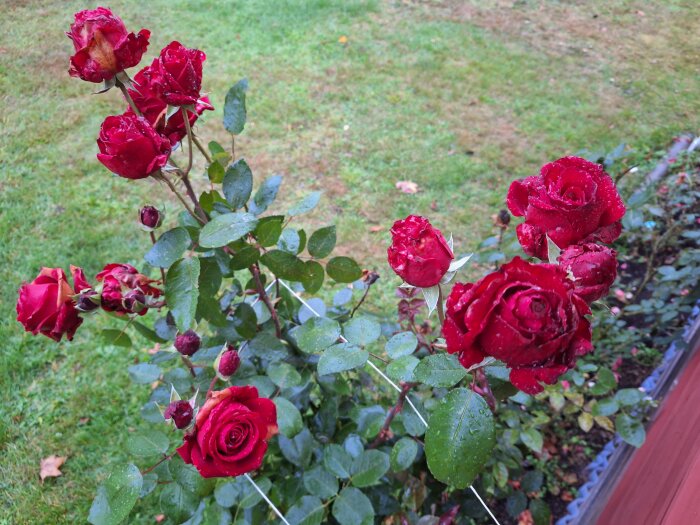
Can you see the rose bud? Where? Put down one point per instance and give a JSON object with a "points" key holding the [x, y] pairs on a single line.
{"points": [[177, 73], [46, 304], [87, 301], [154, 108], [150, 217], [571, 200], [503, 219], [134, 301], [594, 268], [188, 343], [230, 433], [130, 147], [118, 281], [419, 254], [180, 412], [526, 315], [103, 47], [228, 362]]}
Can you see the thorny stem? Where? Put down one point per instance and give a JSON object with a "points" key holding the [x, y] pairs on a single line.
{"points": [[186, 118], [440, 307], [193, 196], [266, 299], [172, 187], [161, 460], [211, 386], [202, 149], [372, 278], [483, 381], [128, 98], [384, 432], [189, 365], [162, 272]]}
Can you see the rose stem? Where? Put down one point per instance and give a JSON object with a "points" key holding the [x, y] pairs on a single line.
{"points": [[128, 98], [186, 118], [484, 383], [384, 432], [170, 185], [162, 272], [266, 299], [161, 460], [189, 365], [364, 296], [202, 149], [440, 307], [211, 386]]}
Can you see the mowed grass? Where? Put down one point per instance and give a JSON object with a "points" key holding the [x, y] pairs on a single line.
{"points": [[454, 96]]}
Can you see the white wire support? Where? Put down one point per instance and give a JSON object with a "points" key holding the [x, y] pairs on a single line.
{"points": [[394, 385], [267, 500]]}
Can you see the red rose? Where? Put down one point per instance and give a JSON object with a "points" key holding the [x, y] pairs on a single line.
{"points": [[572, 200], [103, 47], [46, 304], [418, 253], [594, 266], [525, 315], [177, 73], [125, 290], [150, 217], [231, 432], [154, 108], [130, 147], [180, 413]]}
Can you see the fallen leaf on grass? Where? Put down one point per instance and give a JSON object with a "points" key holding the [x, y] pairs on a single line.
{"points": [[50, 467], [525, 518], [343, 40], [160, 517], [406, 186], [375, 229]]}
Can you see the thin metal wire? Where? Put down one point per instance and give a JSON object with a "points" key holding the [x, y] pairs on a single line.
{"points": [[394, 385], [264, 496]]}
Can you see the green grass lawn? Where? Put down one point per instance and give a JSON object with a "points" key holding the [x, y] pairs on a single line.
{"points": [[456, 97]]}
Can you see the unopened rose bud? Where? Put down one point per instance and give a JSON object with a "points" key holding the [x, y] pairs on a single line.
{"points": [[180, 412], [150, 217], [503, 218], [187, 343], [87, 301], [134, 301], [228, 362]]}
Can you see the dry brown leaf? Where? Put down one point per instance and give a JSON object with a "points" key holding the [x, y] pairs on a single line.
{"points": [[525, 518], [343, 39], [407, 186], [155, 349], [160, 517], [375, 229], [50, 467]]}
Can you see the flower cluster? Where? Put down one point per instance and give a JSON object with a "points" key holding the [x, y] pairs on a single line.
{"points": [[530, 316]]}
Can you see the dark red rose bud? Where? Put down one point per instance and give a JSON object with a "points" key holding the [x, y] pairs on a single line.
{"points": [[150, 217], [134, 301], [229, 362], [121, 282], [130, 147], [187, 343], [571, 200], [503, 218], [594, 268], [178, 74], [103, 46], [87, 301], [180, 412], [419, 254]]}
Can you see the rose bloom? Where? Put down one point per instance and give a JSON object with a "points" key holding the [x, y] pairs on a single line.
{"points": [[103, 47], [231, 433], [46, 304], [125, 290], [154, 107], [177, 73], [594, 268], [130, 147], [525, 315], [572, 200], [419, 254]]}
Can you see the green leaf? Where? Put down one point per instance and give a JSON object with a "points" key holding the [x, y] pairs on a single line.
{"points": [[238, 184], [343, 270], [460, 438], [268, 230], [362, 330], [168, 248], [319, 482], [177, 503], [403, 368], [368, 468], [352, 507], [288, 417], [289, 241], [337, 461], [541, 514], [182, 291], [440, 370], [207, 200], [370, 420], [629, 396], [322, 242], [284, 265], [401, 344], [403, 454], [144, 373], [630, 429], [307, 204], [227, 494], [215, 172], [266, 194], [298, 450], [532, 439], [267, 346], [146, 332], [605, 407], [283, 375], [114, 337], [341, 357], [317, 334], [309, 510], [313, 276], [117, 496], [234, 107], [188, 477], [244, 257], [605, 382], [249, 496], [218, 153], [244, 321], [226, 228], [585, 422], [147, 443]]}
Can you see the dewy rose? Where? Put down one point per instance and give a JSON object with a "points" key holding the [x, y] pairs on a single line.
{"points": [[103, 46], [571, 201], [125, 290], [130, 147], [419, 254], [150, 217], [594, 268], [177, 74], [231, 433], [188, 343], [526, 315], [47, 306], [179, 412], [227, 362]]}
